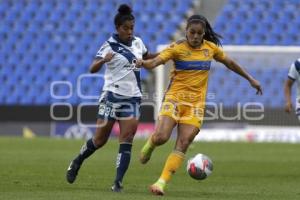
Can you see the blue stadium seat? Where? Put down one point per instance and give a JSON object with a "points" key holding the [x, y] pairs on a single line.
{"points": [[254, 17], [152, 28], [63, 5], [168, 29], [241, 39], [27, 15], [57, 15], [20, 26], [266, 13], [5, 5], [176, 19], [182, 6], [12, 15], [257, 39], [72, 15], [87, 16], [42, 15], [35, 6], [278, 28], [78, 6], [293, 28], [6, 26], [107, 6], [162, 38]]}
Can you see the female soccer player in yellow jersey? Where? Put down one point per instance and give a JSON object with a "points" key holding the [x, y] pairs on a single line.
{"points": [[184, 100]]}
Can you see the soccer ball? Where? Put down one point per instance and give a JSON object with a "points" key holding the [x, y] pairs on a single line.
{"points": [[199, 167]]}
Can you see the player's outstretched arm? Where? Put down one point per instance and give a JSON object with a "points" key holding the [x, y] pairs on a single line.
{"points": [[150, 63], [232, 65], [150, 56], [287, 93], [97, 63]]}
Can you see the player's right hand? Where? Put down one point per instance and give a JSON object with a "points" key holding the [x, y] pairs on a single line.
{"points": [[288, 107], [108, 56]]}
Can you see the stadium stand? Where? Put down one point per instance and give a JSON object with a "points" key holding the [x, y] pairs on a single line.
{"points": [[229, 89], [253, 22], [264, 22], [56, 40]]}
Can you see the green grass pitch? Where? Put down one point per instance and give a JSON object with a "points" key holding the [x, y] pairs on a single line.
{"points": [[35, 169]]}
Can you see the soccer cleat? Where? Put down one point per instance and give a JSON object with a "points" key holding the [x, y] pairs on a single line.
{"points": [[157, 188], [72, 171], [146, 152], [117, 187]]}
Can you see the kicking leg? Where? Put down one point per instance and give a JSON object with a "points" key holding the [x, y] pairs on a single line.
{"points": [[186, 135], [161, 135]]}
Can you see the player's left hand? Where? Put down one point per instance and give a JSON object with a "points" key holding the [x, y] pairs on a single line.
{"points": [[255, 84]]}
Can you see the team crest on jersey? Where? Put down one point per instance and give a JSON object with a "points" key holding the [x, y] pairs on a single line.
{"points": [[188, 53], [120, 49], [206, 52]]}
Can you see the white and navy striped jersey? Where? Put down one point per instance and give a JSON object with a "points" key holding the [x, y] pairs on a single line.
{"points": [[294, 74], [121, 75]]}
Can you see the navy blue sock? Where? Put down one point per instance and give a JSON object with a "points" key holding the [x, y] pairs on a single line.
{"points": [[86, 150], [123, 160]]}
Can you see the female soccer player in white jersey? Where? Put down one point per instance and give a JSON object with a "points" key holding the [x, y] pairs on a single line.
{"points": [[293, 76], [121, 96]]}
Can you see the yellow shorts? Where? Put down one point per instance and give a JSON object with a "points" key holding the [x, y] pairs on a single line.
{"points": [[183, 112]]}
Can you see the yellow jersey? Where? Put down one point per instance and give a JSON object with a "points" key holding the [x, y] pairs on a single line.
{"points": [[189, 76]]}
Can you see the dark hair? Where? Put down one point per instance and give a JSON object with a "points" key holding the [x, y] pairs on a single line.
{"points": [[124, 14], [210, 34]]}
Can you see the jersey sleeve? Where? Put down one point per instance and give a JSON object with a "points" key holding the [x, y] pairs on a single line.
{"points": [[219, 54], [144, 48], [293, 72], [104, 49], [169, 53]]}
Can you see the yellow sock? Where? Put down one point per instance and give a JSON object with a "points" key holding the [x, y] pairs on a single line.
{"points": [[173, 162]]}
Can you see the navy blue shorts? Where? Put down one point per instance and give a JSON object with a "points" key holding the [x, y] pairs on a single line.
{"points": [[117, 107]]}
